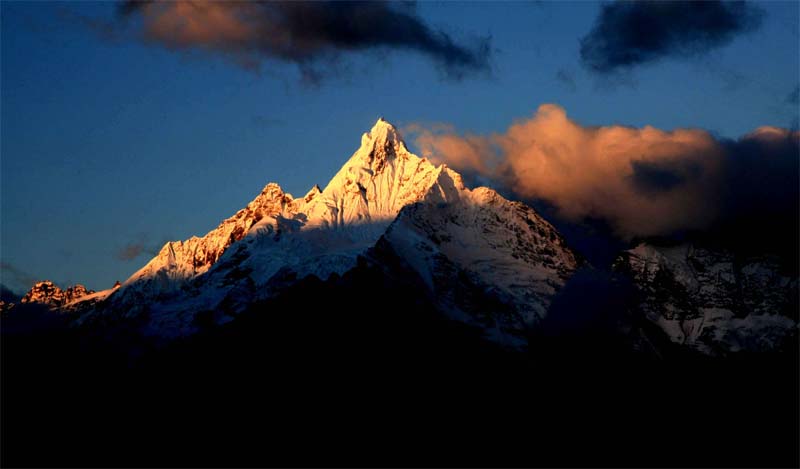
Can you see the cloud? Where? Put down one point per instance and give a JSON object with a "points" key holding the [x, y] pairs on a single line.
{"points": [[761, 197], [15, 277], [567, 78], [134, 249], [303, 33], [642, 181], [630, 33], [469, 152], [657, 177], [8, 295]]}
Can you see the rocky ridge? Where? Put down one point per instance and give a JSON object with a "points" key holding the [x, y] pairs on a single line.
{"points": [[712, 300], [48, 293]]}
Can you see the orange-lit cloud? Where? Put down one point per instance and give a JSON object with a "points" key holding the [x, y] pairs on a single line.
{"points": [[302, 32], [643, 181], [186, 23]]}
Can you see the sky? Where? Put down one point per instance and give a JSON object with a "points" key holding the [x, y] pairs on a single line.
{"points": [[120, 131]]}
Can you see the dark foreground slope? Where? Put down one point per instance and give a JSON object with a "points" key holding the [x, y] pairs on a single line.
{"points": [[360, 371]]}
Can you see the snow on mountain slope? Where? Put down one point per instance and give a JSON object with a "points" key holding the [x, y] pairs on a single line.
{"points": [[90, 299], [350, 214], [278, 238], [378, 180], [179, 261], [712, 300], [485, 260]]}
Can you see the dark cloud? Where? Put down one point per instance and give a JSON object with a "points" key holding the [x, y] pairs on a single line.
{"points": [[651, 178], [656, 177], [627, 34], [763, 171], [8, 295], [760, 201], [129, 7], [303, 33]]}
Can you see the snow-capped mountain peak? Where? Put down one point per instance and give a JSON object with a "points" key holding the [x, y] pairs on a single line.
{"points": [[380, 143], [379, 179], [320, 233], [277, 240]]}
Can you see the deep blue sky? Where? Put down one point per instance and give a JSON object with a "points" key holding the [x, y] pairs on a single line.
{"points": [[111, 141]]}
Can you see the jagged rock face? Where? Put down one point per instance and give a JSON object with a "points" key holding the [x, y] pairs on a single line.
{"points": [[181, 260], [379, 179], [485, 260], [48, 293], [712, 300]]}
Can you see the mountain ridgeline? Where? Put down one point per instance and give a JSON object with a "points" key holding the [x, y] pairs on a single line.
{"points": [[479, 259], [459, 244], [398, 317]]}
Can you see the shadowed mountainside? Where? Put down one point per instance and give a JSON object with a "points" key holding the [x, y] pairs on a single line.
{"points": [[394, 385]]}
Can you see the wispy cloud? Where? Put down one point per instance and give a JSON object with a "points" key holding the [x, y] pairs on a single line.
{"points": [[135, 249], [567, 78], [303, 33], [14, 277]]}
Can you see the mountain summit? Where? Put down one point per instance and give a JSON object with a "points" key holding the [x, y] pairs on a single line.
{"points": [[385, 205], [379, 179]]}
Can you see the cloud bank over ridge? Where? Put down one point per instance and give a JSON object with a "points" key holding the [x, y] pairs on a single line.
{"points": [[642, 181]]}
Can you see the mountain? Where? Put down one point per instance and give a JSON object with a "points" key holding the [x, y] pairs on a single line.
{"points": [[48, 293], [370, 302], [485, 261], [472, 255], [7, 298], [482, 259], [714, 300]]}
